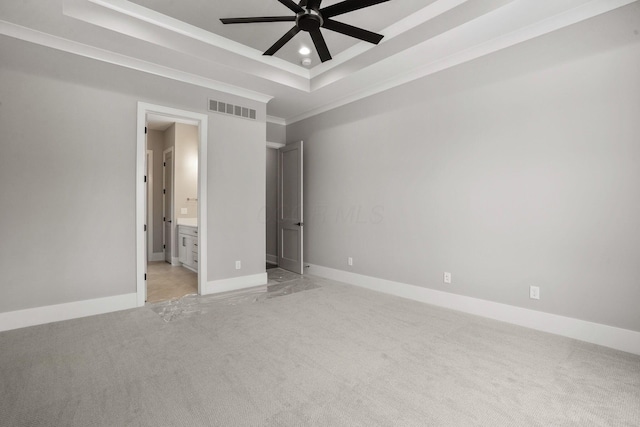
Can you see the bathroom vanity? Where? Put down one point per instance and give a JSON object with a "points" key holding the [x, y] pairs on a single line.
{"points": [[188, 246]]}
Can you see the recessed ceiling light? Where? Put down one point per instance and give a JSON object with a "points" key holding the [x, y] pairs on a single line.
{"points": [[304, 51]]}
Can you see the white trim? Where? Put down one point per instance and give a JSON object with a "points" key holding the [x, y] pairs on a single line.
{"points": [[71, 310], [596, 333], [203, 122], [157, 256], [276, 120], [302, 206], [389, 66], [427, 13], [188, 267], [66, 45], [235, 283], [154, 18], [275, 145], [180, 27], [272, 259], [386, 67]]}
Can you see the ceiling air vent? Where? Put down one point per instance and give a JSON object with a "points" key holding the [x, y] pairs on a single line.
{"points": [[234, 110]]}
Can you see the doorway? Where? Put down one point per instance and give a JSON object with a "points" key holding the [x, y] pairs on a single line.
{"points": [[290, 208], [169, 227], [284, 207]]}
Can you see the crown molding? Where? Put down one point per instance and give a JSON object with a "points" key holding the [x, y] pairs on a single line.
{"points": [[70, 46], [276, 120], [275, 145], [370, 80], [423, 15], [163, 21], [388, 65]]}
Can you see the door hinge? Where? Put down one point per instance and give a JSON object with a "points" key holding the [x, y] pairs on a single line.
{"points": [[164, 218], [145, 227], [145, 129], [145, 276], [164, 191], [164, 164], [145, 178], [164, 246]]}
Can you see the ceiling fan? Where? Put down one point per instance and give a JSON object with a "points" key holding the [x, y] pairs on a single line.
{"points": [[310, 17]]}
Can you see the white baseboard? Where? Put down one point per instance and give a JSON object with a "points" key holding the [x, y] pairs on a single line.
{"points": [[175, 261], [188, 267], [157, 256], [234, 283], [272, 259], [596, 333], [72, 310]]}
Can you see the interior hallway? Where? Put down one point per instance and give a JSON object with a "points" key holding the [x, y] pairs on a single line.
{"points": [[165, 282]]}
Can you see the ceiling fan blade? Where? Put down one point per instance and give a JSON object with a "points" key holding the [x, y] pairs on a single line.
{"points": [[347, 6], [320, 44], [283, 40], [257, 19], [313, 4], [302, 3], [350, 30], [292, 5]]}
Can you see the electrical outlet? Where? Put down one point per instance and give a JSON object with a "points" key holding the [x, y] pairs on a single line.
{"points": [[350, 261], [447, 277], [238, 265], [534, 292]]}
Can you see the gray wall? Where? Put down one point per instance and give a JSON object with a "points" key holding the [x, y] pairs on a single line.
{"points": [[272, 202], [186, 170], [155, 143], [276, 133], [518, 169], [68, 160]]}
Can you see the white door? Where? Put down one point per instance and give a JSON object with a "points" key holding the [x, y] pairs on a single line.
{"points": [[290, 212], [167, 204]]}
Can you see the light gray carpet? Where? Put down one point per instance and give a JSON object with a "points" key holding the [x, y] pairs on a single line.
{"points": [[334, 355], [281, 282]]}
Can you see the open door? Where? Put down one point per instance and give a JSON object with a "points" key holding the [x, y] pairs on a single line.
{"points": [[290, 212], [167, 212]]}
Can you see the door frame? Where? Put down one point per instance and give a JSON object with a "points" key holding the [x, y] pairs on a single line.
{"points": [[141, 256]]}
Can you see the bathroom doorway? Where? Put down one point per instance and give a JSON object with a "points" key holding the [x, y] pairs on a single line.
{"points": [[171, 203]]}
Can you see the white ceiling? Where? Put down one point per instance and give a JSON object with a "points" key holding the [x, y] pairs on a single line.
{"points": [[184, 40], [206, 14]]}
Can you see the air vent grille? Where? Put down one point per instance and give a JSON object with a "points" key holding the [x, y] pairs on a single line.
{"points": [[235, 110]]}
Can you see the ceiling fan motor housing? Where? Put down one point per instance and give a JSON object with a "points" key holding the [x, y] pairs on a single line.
{"points": [[309, 20]]}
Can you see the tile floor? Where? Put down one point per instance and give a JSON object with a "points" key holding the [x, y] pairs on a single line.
{"points": [[165, 282]]}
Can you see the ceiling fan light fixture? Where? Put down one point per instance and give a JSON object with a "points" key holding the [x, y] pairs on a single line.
{"points": [[310, 17], [306, 62]]}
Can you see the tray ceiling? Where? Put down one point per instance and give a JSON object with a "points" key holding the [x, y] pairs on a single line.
{"points": [[206, 14], [184, 40]]}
